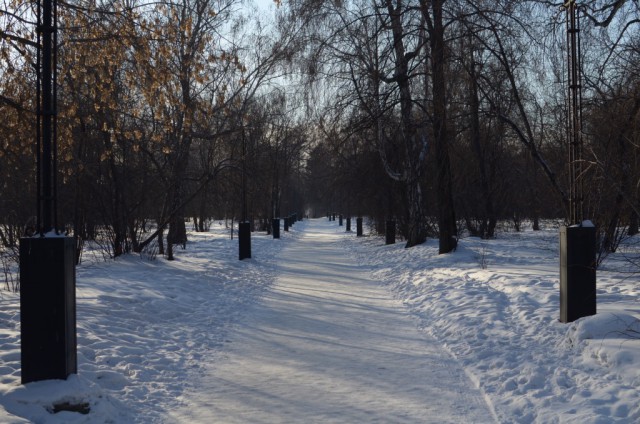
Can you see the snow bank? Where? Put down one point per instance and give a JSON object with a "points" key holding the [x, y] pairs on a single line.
{"points": [[144, 330], [495, 306]]}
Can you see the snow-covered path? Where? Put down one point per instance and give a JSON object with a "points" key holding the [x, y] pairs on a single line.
{"points": [[302, 334], [329, 345]]}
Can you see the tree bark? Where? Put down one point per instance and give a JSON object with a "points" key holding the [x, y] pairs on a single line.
{"points": [[411, 137], [448, 233], [489, 220]]}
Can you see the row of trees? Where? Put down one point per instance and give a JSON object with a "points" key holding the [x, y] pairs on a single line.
{"points": [[457, 111], [162, 107], [447, 115]]}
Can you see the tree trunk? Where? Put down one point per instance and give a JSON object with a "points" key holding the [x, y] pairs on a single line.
{"points": [[634, 224], [417, 233], [177, 233], [448, 234], [487, 228], [202, 212], [133, 237], [177, 230], [411, 136], [536, 223], [161, 242], [611, 236]]}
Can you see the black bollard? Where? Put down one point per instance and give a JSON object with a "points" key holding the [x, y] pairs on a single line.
{"points": [[47, 308], [340, 220], [390, 232], [275, 226], [359, 227], [244, 240], [286, 224], [348, 224], [577, 273]]}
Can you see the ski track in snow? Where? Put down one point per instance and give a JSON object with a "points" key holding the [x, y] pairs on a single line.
{"points": [[329, 345]]}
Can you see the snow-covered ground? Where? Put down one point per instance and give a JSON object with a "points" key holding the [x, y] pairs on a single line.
{"points": [[495, 306], [153, 336], [329, 345]]}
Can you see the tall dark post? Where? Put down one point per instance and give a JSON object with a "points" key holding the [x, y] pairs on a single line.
{"points": [[47, 260], [577, 272], [359, 226], [244, 240], [244, 227], [348, 224], [577, 241], [340, 220], [275, 226], [390, 231]]}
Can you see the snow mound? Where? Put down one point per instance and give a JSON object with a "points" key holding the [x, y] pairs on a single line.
{"points": [[610, 340], [608, 325], [56, 401]]}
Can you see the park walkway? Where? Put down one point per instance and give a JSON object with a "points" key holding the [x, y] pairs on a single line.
{"points": [[329, 345]]}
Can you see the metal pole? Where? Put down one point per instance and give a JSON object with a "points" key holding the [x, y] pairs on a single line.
{"points": [[54, 133], [244, 177], [47, 119], [574, 121], [38, 117]]}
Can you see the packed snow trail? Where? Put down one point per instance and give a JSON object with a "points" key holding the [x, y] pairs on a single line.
{"points": [[329, 345]]}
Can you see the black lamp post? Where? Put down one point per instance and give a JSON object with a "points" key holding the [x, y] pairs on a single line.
{"points": [[244, 227], [47, 259], [578, 240]]}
